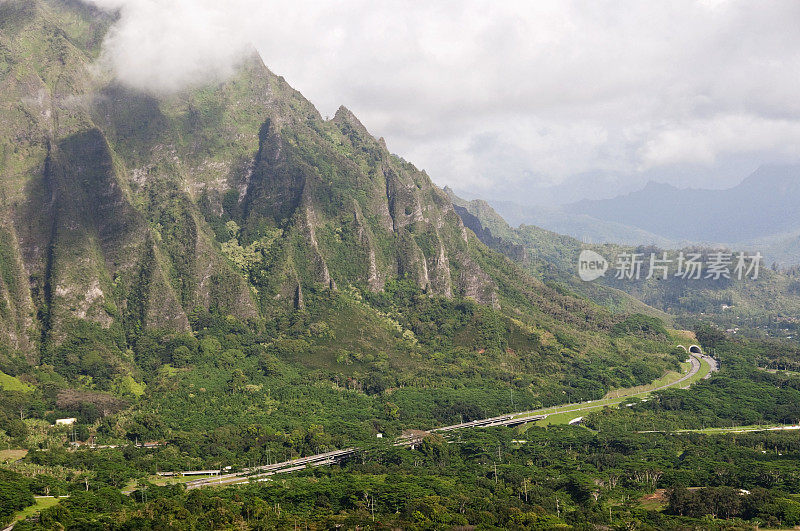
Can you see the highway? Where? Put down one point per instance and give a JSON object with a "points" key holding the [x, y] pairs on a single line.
{"points": [[328, 458], [263, 473]]}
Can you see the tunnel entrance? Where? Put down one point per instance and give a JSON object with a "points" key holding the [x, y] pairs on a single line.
{"points": [[694, 349]]}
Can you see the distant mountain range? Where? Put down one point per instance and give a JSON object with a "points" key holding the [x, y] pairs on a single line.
{"points": [[553, 258], [761, 213]]}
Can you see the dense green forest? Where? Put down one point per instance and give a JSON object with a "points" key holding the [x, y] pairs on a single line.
{"points": [[220, 278], [551, 478], [657, 464]]}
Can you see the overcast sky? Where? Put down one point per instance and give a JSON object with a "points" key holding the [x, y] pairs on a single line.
{"points": [[501, 98]]}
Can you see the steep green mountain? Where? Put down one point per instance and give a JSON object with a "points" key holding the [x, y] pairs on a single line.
{"points": [[771, 302], [226, 275], [228, 238], [112, 199]]}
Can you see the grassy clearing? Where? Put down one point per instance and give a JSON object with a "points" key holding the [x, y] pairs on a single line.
{"points": [[564, 418], [780, 371], [669, 378], [11, 383], [174, 480], [655, 501], [161, 481], [683, 337], [577, 410], [42, 502], [565, 413], [740, 429], [9, 456]]}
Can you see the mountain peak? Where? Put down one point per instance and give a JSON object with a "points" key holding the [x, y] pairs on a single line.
{"points": [[349, 124], [343, 114], [655, 185], [772, 175]]}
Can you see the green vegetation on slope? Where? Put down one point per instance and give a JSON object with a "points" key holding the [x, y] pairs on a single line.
{"points": [[224, 257], [766, 306], [229, 275]]}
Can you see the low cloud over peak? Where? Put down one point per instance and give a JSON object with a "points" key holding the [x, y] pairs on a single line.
{"points": [[164, 46], [508, 97]]}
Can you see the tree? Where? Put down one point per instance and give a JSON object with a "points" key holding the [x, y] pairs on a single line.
{"points": [[678, 500], [181, 356], [15, 493]]}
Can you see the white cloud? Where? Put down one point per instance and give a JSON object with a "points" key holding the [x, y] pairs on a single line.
{"points": [[704, 141], [481, 92], [166, 45]]}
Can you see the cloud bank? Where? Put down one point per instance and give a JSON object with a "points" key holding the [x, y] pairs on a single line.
{"points": [[504, 97], [167, 45]]}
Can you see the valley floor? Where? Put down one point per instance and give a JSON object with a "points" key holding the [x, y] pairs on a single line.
{"points": [[700, 366]]}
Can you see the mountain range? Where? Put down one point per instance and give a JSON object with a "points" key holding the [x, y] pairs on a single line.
{"points": [[112, 201], [209, 296], [553, 258], [127, 216], [761, 213]]}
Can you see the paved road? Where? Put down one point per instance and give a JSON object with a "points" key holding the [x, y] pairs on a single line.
{"points": [[596, 404], [262, 473], [722, 431], [274, 468]]}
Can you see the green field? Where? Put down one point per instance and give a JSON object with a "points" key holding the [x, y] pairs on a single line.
{"points": [[740, 429], [174, 480], [686, 338], [8, 456], [161, 481], [42, 502], [780, 371], [667, 379], [565, 413], [10, 383]]}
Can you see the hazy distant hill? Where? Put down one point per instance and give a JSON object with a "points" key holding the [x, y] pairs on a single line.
{"points": [[553, 258], [761, 213], [765, 203], [583, 227]]}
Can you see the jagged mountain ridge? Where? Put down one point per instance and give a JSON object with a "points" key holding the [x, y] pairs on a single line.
{"points": [[112, 200], [226, 251]]}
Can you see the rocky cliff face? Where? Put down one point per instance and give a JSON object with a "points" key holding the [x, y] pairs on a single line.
{"points": [[360, 215], [123, 209]]}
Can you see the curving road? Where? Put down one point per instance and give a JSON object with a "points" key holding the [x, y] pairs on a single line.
{"points": [[262, 473], [540, 414]]}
